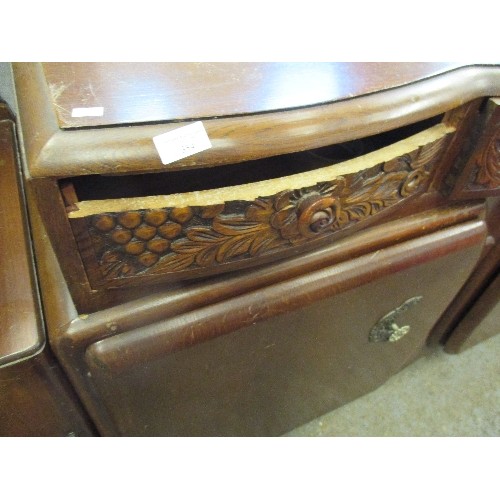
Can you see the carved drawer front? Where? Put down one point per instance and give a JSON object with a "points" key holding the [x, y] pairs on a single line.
{"points": [[481, 175], [264, 362], [126, 239]]}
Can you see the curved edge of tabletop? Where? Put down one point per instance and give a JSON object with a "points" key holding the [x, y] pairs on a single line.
{"points": [[52, 152]]}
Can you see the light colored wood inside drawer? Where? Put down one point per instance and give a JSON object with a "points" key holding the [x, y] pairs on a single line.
{"points": [[249, 192]]}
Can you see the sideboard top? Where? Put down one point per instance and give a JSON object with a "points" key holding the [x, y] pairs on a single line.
{"points": [[101, 118], [130, 93]]}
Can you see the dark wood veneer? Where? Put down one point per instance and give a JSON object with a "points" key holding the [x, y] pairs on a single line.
{"points": [[116, 150], [249, 314], [21, 330], [145, 92], [35, 397], [73, 334], [264, 362], [480, 176]]}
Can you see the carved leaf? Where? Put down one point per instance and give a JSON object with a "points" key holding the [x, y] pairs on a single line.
{"points": [[359, 211], [260, 210], [228, 238], [202, 243], [113, 265], [282, 200], [284, 217], [428, 154], [204, 248], [234, 247], [206, 257], [174, 262], [201, 235], [236, 226], [266, 240], [379, 192]]}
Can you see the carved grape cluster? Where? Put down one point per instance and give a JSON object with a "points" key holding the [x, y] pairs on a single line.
{"points": [[142, 236]]}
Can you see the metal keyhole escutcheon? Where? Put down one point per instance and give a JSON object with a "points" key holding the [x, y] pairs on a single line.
{"points": [[387, 329]]}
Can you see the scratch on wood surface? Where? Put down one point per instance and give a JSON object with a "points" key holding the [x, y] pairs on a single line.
{"points": [[90, 89], [56, 90]]}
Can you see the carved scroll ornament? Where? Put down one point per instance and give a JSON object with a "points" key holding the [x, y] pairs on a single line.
{"points": [[174, 240]]}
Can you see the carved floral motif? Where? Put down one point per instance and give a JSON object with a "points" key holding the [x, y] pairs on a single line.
{"points": [[179, 239], [488, 163]]}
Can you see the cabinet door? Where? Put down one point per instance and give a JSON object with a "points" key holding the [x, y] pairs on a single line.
{"points": [[481, 322], [264, 362]]}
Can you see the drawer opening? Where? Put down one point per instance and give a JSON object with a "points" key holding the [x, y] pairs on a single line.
{"points": [[87, 195], [195, 233]]}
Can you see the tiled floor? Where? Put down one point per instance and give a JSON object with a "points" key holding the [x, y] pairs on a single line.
{"points": [[438, 395]]}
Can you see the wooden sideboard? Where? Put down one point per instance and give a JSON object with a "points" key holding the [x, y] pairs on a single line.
{"points": [[36, 398], [342, 218]]}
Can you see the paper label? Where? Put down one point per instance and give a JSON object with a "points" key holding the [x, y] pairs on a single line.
{"points": [[182, 142], [83, 112]]}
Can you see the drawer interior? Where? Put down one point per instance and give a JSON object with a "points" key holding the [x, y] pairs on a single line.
{"points": [[297, 168]]}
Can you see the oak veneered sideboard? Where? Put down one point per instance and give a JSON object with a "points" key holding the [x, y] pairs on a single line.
{"points": [[338, 219]]}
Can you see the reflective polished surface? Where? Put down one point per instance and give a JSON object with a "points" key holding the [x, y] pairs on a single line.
{"points": [[155, 92], [20, 332]]}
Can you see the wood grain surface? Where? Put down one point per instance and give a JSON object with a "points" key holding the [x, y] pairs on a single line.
{"points": [[36, 400], [132, 349], [263, 362], [21, 333], [475, 302], [155, 92], [110, 150], [72, 333], [481, 322], [35, 397]]}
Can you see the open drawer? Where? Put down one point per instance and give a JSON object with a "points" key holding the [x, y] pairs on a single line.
{"points": [[136, 227]]}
